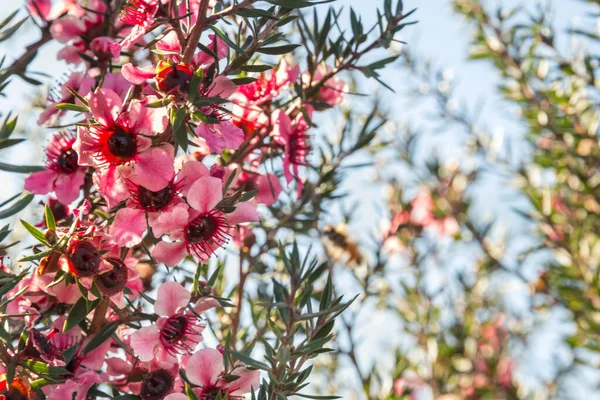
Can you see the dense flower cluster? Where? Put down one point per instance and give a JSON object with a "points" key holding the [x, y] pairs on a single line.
{"points": [[125, 190]]}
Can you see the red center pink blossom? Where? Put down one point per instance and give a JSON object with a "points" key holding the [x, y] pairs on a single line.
{"points": [[175, 332]]}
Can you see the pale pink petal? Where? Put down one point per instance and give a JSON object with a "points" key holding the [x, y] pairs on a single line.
{"points": [[222, 87], [170, 298], [147, 120], [282, 126], [190, 172], [144, 342], [67, 28], [244, 212], [138, 75], [169, 253], [286, 74], [110, 183], [233, 135], [169, 43], [95, 358], [154, 168], [40, 182], [65, 294], [128, 227], [118, 366], [214, 139], [68, 187], [205, 194], [105, 105], [171, 221], [83, 148], [247, 381], [136, 33], [204, 367], [176, 396], [269, 189], [205, 304]]}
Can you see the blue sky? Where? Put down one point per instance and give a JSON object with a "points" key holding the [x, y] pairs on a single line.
{"points": [[440, 36]]}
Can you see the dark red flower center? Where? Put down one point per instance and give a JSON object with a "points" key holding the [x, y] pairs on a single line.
{"points": [[176, 76], [202, 229], [174, 329], [156, 385], [122, 144], [155, 201], [83, 259], [113, 281], [68, 160], [299, 147], [207, 232]]}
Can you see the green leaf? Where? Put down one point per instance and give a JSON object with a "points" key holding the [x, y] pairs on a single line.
{"points": [[36, 233], [76, 315], [72, 107], [50, 221], [19, 205], [20, 169], [37, 256], [255, 13], [256, 68], [226, 39], [278, 50], [4, 143], [250, 361], [102, 336], [382, 63], [243, 81], [179, 128], [8, 127], [297, 3]]}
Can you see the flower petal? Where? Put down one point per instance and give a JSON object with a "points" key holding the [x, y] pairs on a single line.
{"points": [[144, 341], [128, 227], [137, 75], [244, 212], [40, 182], [247, 381], [171, 221], [190, 172], [68, 187], [105, 105], [170, 298], [169, 253], [154, 168], [204, 367], [205, 194]]}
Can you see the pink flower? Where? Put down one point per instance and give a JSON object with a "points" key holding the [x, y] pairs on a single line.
{"points": [[224, 134], [130, 222], [221, 136], [295, 141], [62, 174], [249, 99], [265, 89], [176, 331], [268, 186], [117, 140], [102, 46], [201, 229], [60, 94], [205, 369], [39, 8], [333, 90], [422, 215], [140, 14]]}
